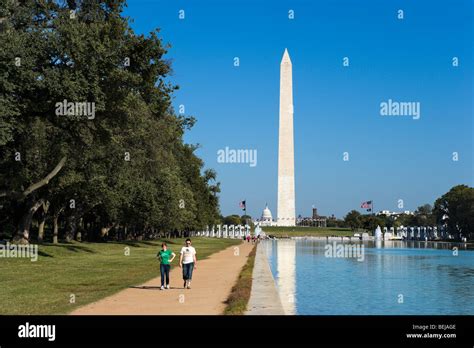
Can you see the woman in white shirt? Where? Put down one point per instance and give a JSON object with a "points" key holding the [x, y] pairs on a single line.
{"points": [[188, 262]]}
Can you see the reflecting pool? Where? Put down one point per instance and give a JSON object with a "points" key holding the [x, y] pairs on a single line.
{"points": [[387, 277]]}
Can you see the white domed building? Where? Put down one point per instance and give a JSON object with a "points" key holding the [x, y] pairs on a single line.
{"points": [[267, 218]]}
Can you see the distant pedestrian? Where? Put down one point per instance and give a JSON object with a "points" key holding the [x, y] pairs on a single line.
{"points": [[166, 256], [248, 238], [188, 262]]}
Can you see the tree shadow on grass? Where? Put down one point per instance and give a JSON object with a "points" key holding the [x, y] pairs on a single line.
{"points": [[137, 243], [132, 243], [142, 243], [73, 247], [173, 242], [150, 242]]}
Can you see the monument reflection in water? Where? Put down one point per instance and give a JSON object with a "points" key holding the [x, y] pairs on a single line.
{"points": [[286, 275], [394, 278]]}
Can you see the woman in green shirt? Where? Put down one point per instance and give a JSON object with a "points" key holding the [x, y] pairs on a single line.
{"points": [[165, 256]]}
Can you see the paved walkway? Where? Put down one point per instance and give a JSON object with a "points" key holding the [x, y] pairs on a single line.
{"points": [[212, 283], [264, 297]]}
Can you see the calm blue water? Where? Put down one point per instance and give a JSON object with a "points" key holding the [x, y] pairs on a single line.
{"points": [[425, 277]]}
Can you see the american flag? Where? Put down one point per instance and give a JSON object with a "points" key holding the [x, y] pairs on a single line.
{"points": [[366, 205], [242, 204]]}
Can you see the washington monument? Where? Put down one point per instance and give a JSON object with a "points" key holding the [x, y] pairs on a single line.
{"points": [[286, 166]]}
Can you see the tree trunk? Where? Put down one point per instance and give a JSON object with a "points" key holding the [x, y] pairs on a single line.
{"points": [[81, 227], [23, 233], [56, 225], [71, 228], [41, 229], [55, 229], [42, 222], [104, 232]]}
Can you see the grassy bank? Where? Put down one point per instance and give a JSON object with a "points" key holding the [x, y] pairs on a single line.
{"points": [[87, 271], [240, 295], [299, 231]]}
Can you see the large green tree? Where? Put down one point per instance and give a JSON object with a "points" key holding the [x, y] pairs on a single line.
{"points": [[456, 209], [353, 219], [424, 216], [123, 167]]}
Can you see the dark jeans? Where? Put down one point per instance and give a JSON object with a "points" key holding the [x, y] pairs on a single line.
{"points": [[165, 271], [188, 271]]}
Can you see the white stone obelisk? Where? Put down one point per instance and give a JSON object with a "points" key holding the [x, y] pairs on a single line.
{"points": [[286, 166]]}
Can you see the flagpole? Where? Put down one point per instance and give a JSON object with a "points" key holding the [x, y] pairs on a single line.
{"points": [[245, 211]]}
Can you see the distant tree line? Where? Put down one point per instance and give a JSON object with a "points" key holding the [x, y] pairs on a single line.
{"points": [[454, 210], [121, 172]]}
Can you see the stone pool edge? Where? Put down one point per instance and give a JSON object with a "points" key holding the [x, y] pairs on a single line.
{"points": [[264, 297]]}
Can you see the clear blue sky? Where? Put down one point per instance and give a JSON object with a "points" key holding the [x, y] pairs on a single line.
{"points": [[336, 108]]}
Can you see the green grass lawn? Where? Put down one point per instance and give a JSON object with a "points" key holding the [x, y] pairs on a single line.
{"points": [[90, 271], [240, 294], [299, 231]]}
